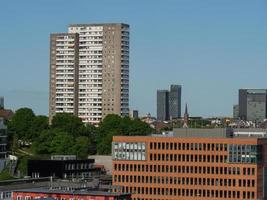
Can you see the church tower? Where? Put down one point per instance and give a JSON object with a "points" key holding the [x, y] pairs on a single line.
{"points": [[186, 118]]}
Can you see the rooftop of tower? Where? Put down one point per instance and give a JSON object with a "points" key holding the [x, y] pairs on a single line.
{"points": [[98, 24]]}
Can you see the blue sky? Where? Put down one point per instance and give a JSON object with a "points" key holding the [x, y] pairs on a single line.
{"points": [[211, 47]]}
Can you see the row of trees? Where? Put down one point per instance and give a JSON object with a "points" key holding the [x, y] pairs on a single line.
{"points": [[67, 134]]}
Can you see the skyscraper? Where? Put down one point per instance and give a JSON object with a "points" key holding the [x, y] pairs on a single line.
{"points": [[169, 103], [89, 71], [163, 105], [252, 104], [175, 101]]}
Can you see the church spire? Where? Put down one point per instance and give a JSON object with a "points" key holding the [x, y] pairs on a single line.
{"points": [[186, 117]]}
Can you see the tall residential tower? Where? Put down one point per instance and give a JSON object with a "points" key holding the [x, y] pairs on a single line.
{"points": [[89, 71]]}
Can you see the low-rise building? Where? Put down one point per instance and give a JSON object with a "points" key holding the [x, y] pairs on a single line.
{"points": [[29, 194], [64, 167], [191, 164]]}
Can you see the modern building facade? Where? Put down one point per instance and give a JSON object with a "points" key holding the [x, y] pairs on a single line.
{"points": [[89, 71], [191, 164], [252, 104], [169, 103], [64, 167], [163, 105], [235, 111], [175, 101]]}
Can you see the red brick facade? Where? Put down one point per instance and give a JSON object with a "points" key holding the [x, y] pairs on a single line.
{"points": [[191, 168], [18, 195]]}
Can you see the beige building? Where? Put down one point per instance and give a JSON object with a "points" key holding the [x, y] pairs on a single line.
{"points": [[89, 71]]}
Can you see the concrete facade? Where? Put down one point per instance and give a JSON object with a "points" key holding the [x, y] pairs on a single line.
{"points": [[235, 111], [252, 104], [101, 82], [64, 70], [175, 101], [163, 105]]}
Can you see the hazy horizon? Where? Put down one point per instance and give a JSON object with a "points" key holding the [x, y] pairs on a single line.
{"points": [[211, 48]]}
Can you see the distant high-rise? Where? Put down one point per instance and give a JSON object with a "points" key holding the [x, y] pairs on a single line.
{"points": [[175, 101], [169, 103], [252, 104], [133, 114], [1, 102], [163, 105], [89, 71], [235, 111]]}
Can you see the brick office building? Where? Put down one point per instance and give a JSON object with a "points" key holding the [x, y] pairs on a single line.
{"points": [[191, 164], [30, 194]]}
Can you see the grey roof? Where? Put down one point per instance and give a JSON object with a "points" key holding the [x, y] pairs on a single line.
{"points": [[47, 198], [100, 24]]}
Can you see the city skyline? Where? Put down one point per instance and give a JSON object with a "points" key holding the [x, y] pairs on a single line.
{"points": [[211, 48]]}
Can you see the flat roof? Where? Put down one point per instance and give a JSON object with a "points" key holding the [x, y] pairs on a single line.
{"points": [[98, 24], [206, 133], [73, 192]]}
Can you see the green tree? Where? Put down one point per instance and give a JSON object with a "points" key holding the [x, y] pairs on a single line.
{"points": [[40, 123], [42, 144], [82, 146], [68, 123], [62, 143], [22, 124], [113, 125], [104, 145]]}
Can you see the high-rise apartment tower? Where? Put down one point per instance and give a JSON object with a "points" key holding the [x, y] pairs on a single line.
{"points": [[89, 71]]}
